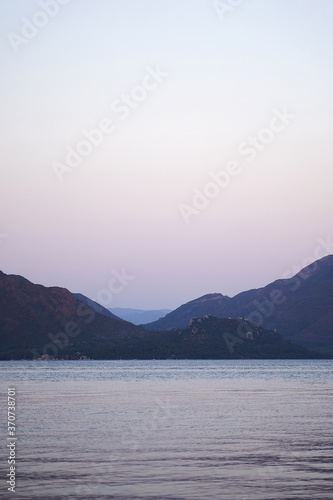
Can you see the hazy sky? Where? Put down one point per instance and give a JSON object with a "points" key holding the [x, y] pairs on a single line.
{"points": [[183, 91]]}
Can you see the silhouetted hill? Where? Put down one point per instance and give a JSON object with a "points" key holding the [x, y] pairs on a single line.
{"points": [[208, 338], [96, 307], [34, 317], [300, 308], [37, 320], [215, 304]]}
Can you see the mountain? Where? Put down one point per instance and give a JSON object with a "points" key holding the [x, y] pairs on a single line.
{"points": [[299, 308], [209, 338], [214, 303], [36, 320], [96, 307], [139, 316]]}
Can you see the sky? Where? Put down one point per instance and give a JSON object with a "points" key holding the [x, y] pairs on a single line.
{"points": [[154, 151]]}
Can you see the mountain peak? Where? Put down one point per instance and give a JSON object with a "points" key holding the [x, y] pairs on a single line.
{"points": [[15, 276], [300, 308]]}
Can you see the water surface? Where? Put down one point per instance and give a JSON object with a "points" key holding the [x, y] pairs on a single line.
{"points": [[181, 430]]}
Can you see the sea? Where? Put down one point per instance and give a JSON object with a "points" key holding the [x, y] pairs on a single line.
{"points": [[173, 429]]}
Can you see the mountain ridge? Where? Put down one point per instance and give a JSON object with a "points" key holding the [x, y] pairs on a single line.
{"points": [[300, 307], [95, 306], [34, 317]]}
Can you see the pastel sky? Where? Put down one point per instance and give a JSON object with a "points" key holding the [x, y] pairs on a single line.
{"points": [[181, 88]]}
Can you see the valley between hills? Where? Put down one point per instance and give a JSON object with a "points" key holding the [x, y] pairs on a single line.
{"points": [[287, 319]]}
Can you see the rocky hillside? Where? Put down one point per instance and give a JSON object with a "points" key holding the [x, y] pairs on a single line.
{"points": [[207, 338], [299, 308], [37, 321]]}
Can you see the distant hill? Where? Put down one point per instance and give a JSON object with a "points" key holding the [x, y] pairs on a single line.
{"points": [[299, 308], [37, 321], [37, 318], [96, 307], [139, 316], [215, 304], [209, 338]]}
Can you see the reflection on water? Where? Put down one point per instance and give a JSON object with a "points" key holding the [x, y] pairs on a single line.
{"points": [[181, 430]]}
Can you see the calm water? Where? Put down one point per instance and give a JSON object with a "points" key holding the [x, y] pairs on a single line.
{"points": [[181, 430]]}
